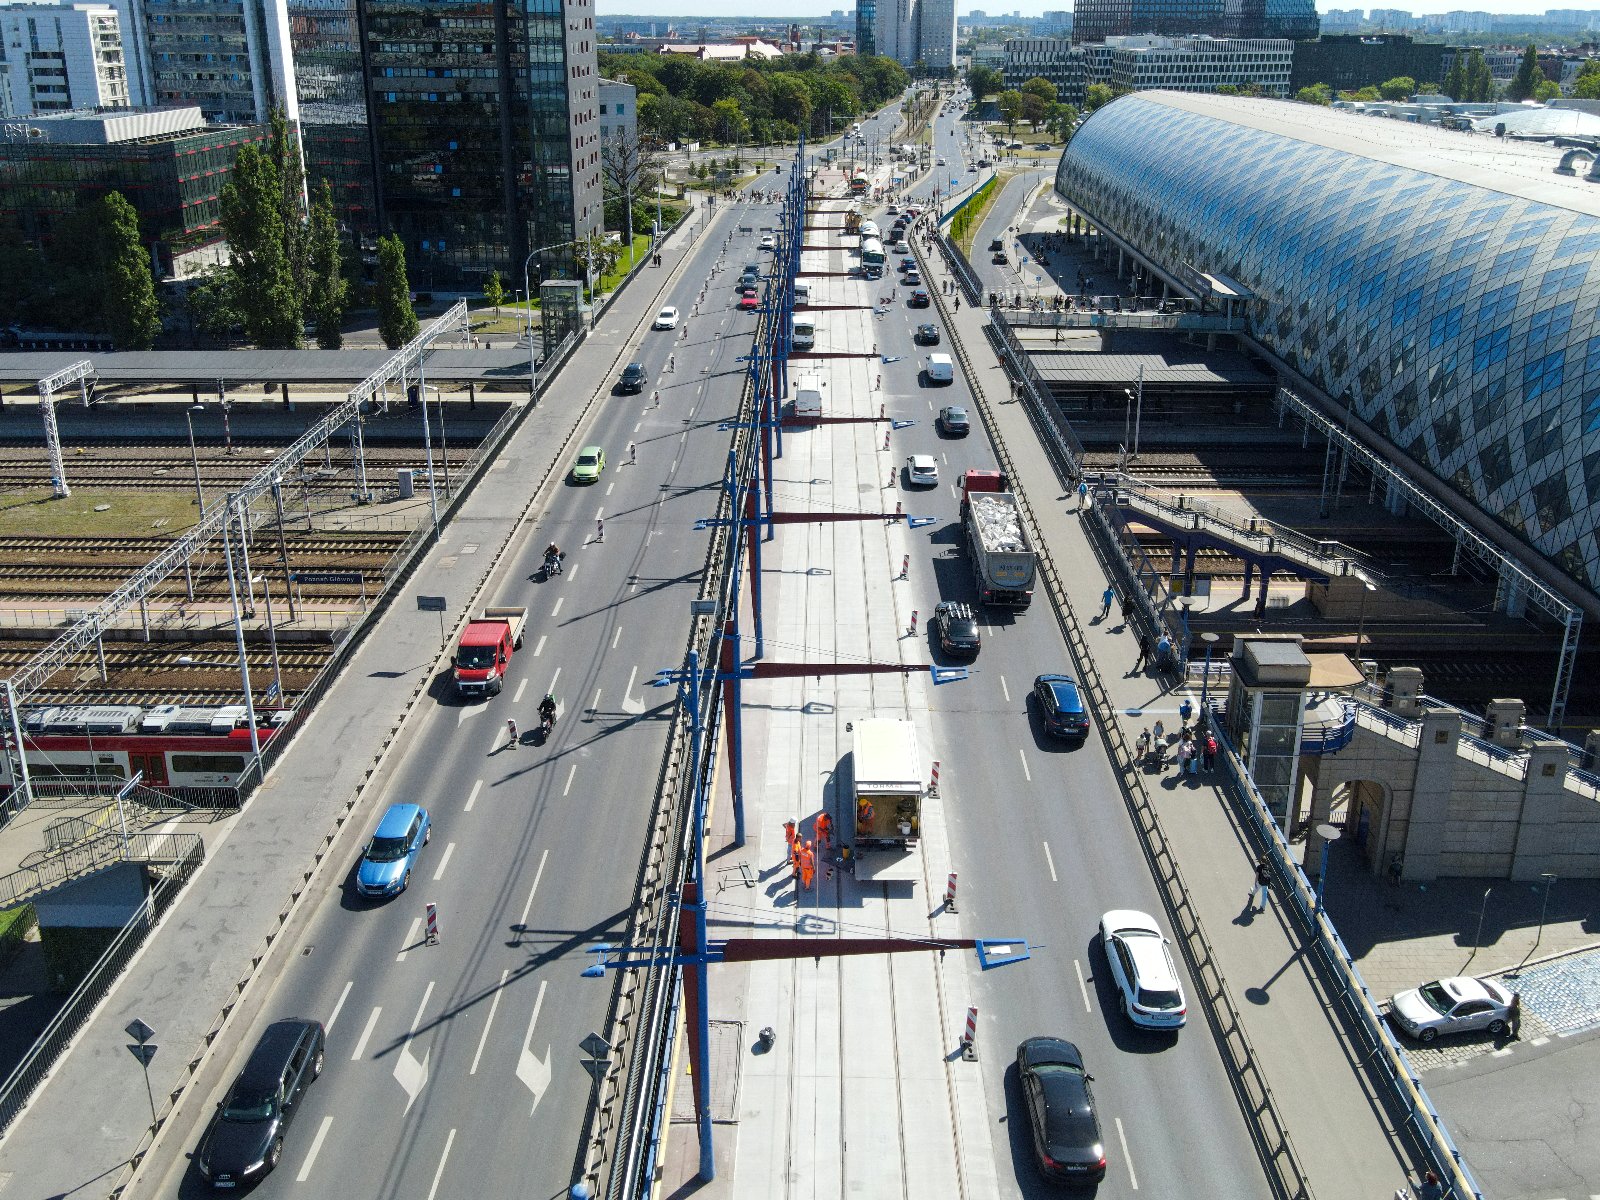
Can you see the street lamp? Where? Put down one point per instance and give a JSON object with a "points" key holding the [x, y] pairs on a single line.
{"points": [[1329, 835], [272, 634], [1549, 877], [444, 440], [533, 391], [1361, 625], [1210, 639], [1136, 403], [194, 455]]}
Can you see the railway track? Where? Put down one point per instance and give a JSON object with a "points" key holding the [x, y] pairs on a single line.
{"points": [[300, 545]]}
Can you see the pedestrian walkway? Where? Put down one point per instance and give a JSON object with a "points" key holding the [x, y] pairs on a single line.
{"points": [[82, 1127]]}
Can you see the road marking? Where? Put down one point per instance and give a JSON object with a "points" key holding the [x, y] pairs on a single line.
{"points": [[316, 1144], [1026, 774], [411, 937], [473, 798], [636, 425], [466, 711], [1004, 690], [616, 637], [537, 875], [595, 707], [570, 773], [494, 1003], [444, 861], [539, 649], [410, 1074], [1082, 986], [361, 1042], [609, 486], [443, 1158], [557, 609], [629, 704], [533, 1071], [338, 1006], [521, 687], [600, 514], [1126, 1157], [1050, 861], [551, 690], [572, 575]]}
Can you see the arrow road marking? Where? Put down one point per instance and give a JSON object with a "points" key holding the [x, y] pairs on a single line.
{"points": [[493, 1004], [532, 1070], [408, 1072], [629, 704], [467, 711]]}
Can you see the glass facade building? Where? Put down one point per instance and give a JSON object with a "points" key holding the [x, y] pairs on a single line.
{"points": [[1096, 20], [1440, 286], [334, 131]]}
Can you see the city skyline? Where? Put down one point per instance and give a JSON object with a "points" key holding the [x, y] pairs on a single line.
{"points": [[801, 10]]}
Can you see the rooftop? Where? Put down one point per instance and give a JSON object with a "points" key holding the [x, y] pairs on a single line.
{"points": [[1494, 164]]}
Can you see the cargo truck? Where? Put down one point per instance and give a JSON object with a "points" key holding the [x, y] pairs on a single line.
{"points": [[1003, 560], [886, 789], [485, 649]]}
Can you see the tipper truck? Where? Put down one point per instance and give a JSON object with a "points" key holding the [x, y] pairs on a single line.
{"points": [[485, 649], [1003, 561], [886, 789]]}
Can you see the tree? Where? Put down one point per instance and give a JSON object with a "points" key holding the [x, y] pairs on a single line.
{"points": [[211, 306], [1034, 110], [599, 254], [731, 124], [1545, 91], [494, 291], [1063, 122], [1041, 88], [327, 291], [626, 161], [1587, 84], [1098, 95], [1011, 109], [1317, 93], [1479, 84], [1527, 77], [1401, 87], [264, 292], [984, 81], [1455, 79], [292, 183], [397, 320], [1366, 95], [128, 291]]}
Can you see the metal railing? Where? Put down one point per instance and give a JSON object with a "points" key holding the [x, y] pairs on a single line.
{"points": [[90, 856], [1041, 408], [1079, 318], [971, 285]]}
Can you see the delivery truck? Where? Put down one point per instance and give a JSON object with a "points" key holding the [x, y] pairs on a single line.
{"points": [[1003, 560], [484, 652], [886, 789]]}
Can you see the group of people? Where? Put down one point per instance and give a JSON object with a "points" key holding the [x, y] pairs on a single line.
{"points": [[803, 852], [1196, 747]]}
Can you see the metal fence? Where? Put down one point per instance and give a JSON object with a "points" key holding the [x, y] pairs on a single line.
{"points": [[1031, 387], [971, 285], [187, 853]]}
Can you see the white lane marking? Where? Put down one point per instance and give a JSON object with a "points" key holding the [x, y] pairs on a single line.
{"points": [[556, 611], [636, 425], [629, 704], [338, 1007], [616, 637], [1004, 690], [361, 1042], [472, 799], [316, 1145], [595, 707], [954, 495], [551, 690], [533, 1071], [1082, 986], [444, 861], [1133, 1179], [521, 687], [466, 712], [1026, 774], [599, 514], [494, 1003], [539, 649], [537, 875], [570, 773], [609, 486], [443, 1158], [411, 938], [572, 575], [410, 1074], [1050, 861]]}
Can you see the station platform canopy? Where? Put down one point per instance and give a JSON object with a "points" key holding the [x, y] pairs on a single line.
{"points": [[1179, 369]]}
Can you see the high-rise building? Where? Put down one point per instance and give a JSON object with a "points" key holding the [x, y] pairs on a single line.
{"points": [[57, 57], [1096, 20], [866, 26], [334, 132], [1201, 64], [1054, 59], [909, 31], [1293, 19], [1349, 63], [231, 57], [936, 35]]}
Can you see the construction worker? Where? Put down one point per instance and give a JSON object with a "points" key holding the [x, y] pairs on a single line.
{"points": [[789, 834], [808, 866], [824, 830]]}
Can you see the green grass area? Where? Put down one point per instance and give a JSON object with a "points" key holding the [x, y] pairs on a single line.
{"points": [[34, 512], [613, 277], [965, 224], [15, 923]]}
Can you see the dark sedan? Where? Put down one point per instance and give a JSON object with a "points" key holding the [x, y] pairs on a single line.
{"points": [[957, 628], [953, 420], [927, 335], [1061, 705], [244, 1141], [919, 299], [1066, 1132]]}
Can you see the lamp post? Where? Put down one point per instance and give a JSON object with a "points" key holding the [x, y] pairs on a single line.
{"points": [[1210, 639], [1477, 938], [444, 440], [1135, 402], [1361, 625], [272, 635], [1329, 835], [194, 455], [1549, 878]]}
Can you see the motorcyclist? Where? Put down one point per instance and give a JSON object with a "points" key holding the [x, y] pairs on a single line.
{"points": [[552, 558], [547, 709]]}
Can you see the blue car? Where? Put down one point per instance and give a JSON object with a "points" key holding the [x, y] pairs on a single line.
{"points": [[387, 861], [1061, 706]]}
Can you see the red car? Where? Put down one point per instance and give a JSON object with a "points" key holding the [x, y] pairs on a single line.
{"points": [[749, 303], [919, 299]]}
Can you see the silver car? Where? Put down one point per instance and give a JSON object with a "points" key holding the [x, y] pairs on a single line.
{"points": [[1460, 1004]]}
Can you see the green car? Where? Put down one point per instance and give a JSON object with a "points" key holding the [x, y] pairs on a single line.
{"points": [[591, 461]]}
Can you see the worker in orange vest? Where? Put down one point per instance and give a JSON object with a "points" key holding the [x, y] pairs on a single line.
{"points": [[808, 866], [789, 835], [824, 828]]}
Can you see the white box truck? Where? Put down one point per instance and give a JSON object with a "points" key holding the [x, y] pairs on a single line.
{"points": [[886, 787]]}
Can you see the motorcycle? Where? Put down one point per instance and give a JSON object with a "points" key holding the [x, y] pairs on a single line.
{"points": [[552, 565], [547, 722]]}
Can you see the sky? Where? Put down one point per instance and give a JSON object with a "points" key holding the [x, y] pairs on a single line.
{"points": [[802, 9]]}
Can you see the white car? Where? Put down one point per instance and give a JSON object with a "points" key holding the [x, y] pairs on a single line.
{"points": [[667, 318], [922, 471], [941, 162], [1458, 1005], [768, 242], [1142, 969]]}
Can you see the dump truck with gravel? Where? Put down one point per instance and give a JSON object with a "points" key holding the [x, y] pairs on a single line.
{"points": [[1003, 560]]}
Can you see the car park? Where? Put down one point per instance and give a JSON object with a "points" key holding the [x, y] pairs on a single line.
{"points": [[1460, 1004], [633, 378], [1142, 969], [953, 420], [244, 1140], [956, 628], [386, 863], [927, 334], [919, 299], [587, 466], [1061, 706], [922, 471], [667, 318], [1067, 1146]]}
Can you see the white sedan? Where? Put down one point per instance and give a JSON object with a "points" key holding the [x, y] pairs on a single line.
{"points": [[667, 318], [768, 242], [922, 471], [1458, 1005]]}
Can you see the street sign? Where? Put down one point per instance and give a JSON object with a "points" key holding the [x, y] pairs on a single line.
{"points": [[144, 1053], [595, 1046], [430, 604], [139, 1031], [271, 694], [327, 577]]}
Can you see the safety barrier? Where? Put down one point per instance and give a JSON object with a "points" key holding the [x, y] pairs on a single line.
{"points": [[1042, 411]]}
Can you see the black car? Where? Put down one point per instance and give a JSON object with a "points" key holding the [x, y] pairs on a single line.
{"points": [[927, 335], [957, 628], [245, 1138], [633, 378], [1000, 257], [954, 421], [919, 299], [1066, 1132], [1061, 705]]}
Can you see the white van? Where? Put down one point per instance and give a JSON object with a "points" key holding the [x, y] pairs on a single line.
{"points": [[802, 293], [939, 369], [808, 397], [804, 332]]}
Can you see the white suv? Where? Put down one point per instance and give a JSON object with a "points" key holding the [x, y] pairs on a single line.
{"points": [[1143, 970]]}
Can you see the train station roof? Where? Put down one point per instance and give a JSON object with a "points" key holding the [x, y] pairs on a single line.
{"points": [[206, 367], [1175, 368]]}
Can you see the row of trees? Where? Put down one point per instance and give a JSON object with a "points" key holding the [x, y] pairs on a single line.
{"points": [[1468, 81], [1037, 102], [683, 99]]}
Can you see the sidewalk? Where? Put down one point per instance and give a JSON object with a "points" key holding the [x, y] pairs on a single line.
{"points": [[90, 1117]]}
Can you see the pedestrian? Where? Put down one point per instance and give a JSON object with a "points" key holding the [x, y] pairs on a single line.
{"points": [[599, 529], [958, 303], [1141, 745], [789, 836], [823, 827], [633, 454], [808, 866], [1159, 732], [1514, 1016], [1430, 1188], [1186, 710], [1083, 494], [1185, 756], [1258, 897], [511, 728], [1163, 653], [1144, 651], [1127, 609], [1106, 597], [1209, 753]]}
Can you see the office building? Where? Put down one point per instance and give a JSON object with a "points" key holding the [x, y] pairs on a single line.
{"points": [[1436, 285], [1348, 63], [936, 35], [169, 164], [231, 57], [57, 57], [910, 31], [1291, 19], [1201, 64], [1096, 20], [866, 26], [335, 136], [1054, 59], [619, 117]]}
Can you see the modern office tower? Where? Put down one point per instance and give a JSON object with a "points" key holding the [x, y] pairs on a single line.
{"points": [[936, 35], [1054, 59], [1096, 20], [866, 26], [335, 136], [1201, 64], [912, 30], [1291, 19], [1349, 63], [231, 57], [58, 57]]}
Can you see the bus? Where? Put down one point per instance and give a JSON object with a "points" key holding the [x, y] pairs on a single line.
{"points": [[872, 258], [858, 185]]}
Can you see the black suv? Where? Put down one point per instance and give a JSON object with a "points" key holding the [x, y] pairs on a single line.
{"points": [[245, 1139], [633, 378], [957, 628]]}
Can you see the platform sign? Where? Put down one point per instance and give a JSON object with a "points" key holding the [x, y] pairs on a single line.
{"points": [[328, 577]]}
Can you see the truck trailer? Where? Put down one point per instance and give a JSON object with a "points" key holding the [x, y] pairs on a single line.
{"points": [[1003, 560]]}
